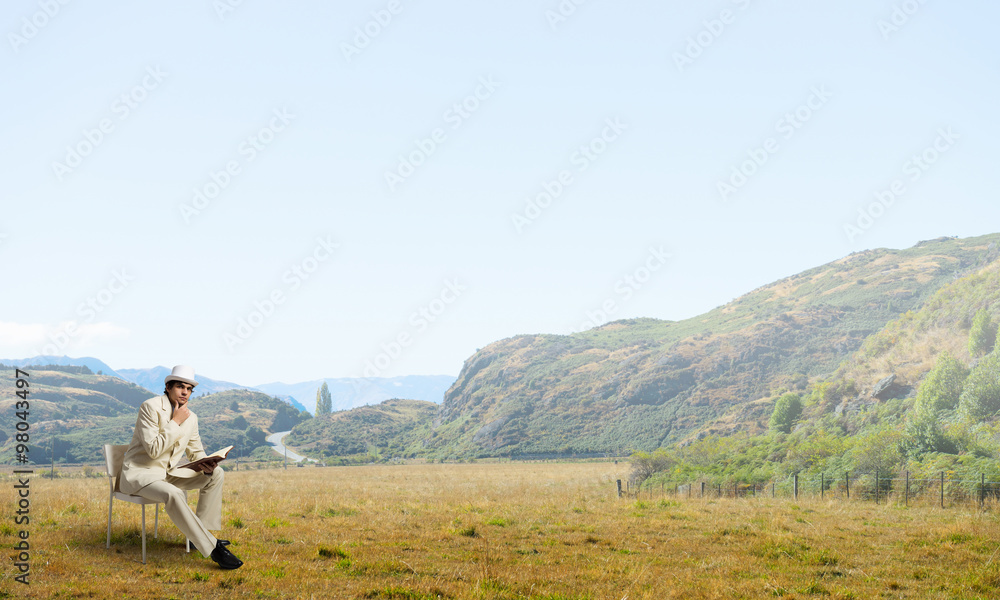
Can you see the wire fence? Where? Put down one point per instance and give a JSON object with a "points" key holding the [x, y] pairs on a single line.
{"points": [[83, 470], [901, 488]]}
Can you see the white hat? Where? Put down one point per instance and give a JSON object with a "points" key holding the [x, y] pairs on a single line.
{"points": [[181, 373]]}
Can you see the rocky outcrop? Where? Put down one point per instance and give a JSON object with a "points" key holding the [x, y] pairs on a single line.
{"points": [[888, 388]]}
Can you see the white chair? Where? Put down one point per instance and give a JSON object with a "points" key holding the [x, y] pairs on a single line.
{"points": [[113, 458]]}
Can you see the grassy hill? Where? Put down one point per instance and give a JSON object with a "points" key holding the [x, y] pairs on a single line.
{"points": [[73, 413], [906, 349], [393, 428], [243, 418], [65, 406], [939, 414], [642, 384]]}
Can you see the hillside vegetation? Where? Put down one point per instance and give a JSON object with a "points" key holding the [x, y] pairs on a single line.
{"points": [[827, 336], [921, 396], [642, 384], [73, 413], [392, 428]]}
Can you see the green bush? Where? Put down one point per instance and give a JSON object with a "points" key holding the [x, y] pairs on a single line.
{"points": [[878, 448], [924, 434], [942, 387], [644, 464], [787, 410], [983, 334], [981, 394]]}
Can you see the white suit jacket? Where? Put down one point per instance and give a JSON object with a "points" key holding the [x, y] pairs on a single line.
{"points": [[159, 446]]}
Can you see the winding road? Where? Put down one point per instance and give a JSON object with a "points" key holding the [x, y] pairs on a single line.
{"points": [[275, 440]]}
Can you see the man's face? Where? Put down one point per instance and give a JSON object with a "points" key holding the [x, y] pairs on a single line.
{"points": [[179, 392]]}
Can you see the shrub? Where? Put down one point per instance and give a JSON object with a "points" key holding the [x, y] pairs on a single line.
{"points": [[645, 464], [981, 394], [924, 434], [942, 387], [982, 334], [787, 410], [879, 448]]}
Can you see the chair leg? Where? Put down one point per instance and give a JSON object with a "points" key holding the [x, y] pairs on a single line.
{"points": [[189, 545], [143, 534], [111, 500], [156, 522]]}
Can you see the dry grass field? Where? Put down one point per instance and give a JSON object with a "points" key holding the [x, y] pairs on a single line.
{"points": [[538, 530]]}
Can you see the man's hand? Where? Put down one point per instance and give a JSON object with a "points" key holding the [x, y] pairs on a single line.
{"points": [[181, 414], [208, 467]]}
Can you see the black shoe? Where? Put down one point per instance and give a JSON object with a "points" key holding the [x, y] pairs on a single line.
{"points": [[223, 542], [225, 558]]}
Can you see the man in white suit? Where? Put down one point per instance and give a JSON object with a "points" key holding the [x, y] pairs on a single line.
{"points": [[166, 436]]}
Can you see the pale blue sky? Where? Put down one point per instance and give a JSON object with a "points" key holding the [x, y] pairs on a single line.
{"points": [[171, 290]]}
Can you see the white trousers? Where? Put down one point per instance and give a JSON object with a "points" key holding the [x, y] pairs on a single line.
{"points": [[171, 493]]}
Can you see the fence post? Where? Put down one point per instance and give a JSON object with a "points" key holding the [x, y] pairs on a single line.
{"points": [[876, 485], [736, 490], [907, 501], [822, 486], [720, 491], [772, 489], [619, 488], [982, 489], [847, 483], [796, 486], [942, 489], [702, 489]]}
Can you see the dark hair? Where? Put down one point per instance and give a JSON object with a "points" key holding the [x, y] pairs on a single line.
{"points": [[170, 384]]}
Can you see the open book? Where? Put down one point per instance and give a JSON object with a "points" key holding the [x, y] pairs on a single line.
{"points": [[221, 455]]}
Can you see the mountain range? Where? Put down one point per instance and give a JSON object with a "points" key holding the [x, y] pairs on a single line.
{"points": [[346, 392]]}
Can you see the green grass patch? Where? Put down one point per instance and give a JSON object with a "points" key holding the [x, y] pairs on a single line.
{"points": [[275, 522], [338, 512], [325, 552]]}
